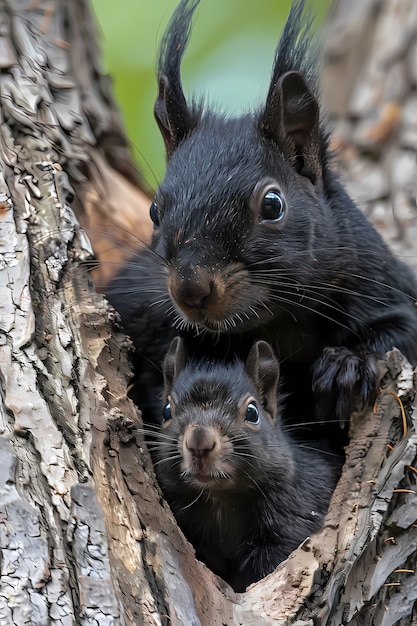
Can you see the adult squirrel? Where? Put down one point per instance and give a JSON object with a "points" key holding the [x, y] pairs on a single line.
{"points": [[243, 491], [255, 238]]}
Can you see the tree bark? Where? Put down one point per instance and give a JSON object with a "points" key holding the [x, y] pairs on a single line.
{"points": [[85, 536], [369, 92]]}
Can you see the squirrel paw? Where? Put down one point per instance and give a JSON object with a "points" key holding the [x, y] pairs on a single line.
{"points": [[340, 379]]}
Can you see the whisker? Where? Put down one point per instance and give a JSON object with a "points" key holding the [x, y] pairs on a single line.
{"points": [[264, 272], [254, 482], [382, 284], [320, 450], [319, 313], [167, 460], [184, 508]]}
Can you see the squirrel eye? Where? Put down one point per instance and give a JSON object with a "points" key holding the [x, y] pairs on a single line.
{"points": [[154, 213], [252, 413], [272, 207], [166, 412]]}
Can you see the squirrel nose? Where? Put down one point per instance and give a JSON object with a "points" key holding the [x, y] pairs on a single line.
{"points": [[200, 441], [195, 295], [192, 289]]}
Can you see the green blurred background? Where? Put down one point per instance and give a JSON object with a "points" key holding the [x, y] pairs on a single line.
{"points": [[228, 60]]}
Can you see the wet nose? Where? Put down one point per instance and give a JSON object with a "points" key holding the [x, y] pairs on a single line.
{"points": [[192, 288]]}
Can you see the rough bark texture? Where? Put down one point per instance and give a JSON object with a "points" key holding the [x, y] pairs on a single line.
{"points": [[369, 90], [85, 537]]}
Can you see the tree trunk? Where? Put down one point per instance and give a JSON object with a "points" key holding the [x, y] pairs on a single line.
{"points": [[85, 536]]}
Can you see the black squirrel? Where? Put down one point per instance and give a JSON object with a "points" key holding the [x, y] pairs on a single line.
{"points": [[255, 238], [244, 492]]}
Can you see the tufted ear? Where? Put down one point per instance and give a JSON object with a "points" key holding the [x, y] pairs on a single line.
{"points": [[263, 369], [291, 119], [172, 114], [174, 363], [174, 117]]}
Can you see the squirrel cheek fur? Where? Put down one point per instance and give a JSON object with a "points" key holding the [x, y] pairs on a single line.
{"points": [[256, 239], [244, 493]]}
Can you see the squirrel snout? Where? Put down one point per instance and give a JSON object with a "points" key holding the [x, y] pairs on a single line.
{"points": [[192, 288], [199, 441], [207, 295]]}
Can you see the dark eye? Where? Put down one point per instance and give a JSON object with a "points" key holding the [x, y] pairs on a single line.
{"points": [[166, 413], [252, 413], [154, 213], [272, 207]]}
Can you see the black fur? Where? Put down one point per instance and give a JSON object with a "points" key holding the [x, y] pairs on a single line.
{"points": [[275, 491], [319, 284]]}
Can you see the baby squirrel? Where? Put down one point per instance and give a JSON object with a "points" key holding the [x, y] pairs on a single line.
{"points": [[244, 493], [256, 239]]}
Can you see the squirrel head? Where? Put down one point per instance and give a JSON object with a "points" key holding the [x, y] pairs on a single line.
{"points": [[221, 427], [237, 190], [290, 117], [216, 382]]}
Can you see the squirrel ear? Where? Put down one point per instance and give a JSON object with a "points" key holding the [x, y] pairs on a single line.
{"points": [[263, 369], [172, 114], [174, 118], [174, 363], [291, 118]]}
